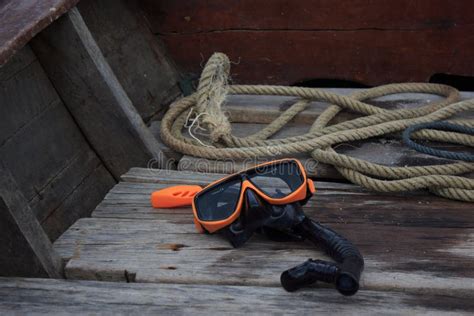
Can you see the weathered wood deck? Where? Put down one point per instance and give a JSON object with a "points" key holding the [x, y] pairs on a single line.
{"points": [[419, 244], [418, 250], [99, 72], [129, 257]]}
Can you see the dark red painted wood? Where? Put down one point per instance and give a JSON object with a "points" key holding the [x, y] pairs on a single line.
{"points": [[370, 57], [191, 16], [283, 42]]}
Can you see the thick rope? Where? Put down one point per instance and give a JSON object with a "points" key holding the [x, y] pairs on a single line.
{"points": [[207, 103]]}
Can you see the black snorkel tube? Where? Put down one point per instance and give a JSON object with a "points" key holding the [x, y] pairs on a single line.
{"points": [[345, 274], [288, 222]]}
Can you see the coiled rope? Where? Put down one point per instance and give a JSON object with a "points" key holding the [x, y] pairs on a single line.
{"points": [[443, 179]]}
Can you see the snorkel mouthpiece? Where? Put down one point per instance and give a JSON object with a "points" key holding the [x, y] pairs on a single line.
{"points": [[345, 274], [308, 273]]}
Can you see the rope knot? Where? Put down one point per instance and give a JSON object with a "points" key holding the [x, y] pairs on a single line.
{"points": [[211, 94], [219, 131]]}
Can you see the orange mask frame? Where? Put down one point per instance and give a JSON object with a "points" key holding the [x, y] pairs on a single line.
{"points": [[297, 195]]}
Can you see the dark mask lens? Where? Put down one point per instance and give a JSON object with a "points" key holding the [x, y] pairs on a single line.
{"points": [[218, 202], [279, 180]]}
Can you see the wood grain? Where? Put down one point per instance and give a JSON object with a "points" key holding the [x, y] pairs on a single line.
{"points": [[21, 20], [144, 175], [138, 60], [170, 16], [281, 42], [25, 248], [126, 234], [25, 93], [266, 108], [94, 96], [170, 251], [44, 149], [23, 58], [334, 203], [174, 156], [40, 296], [79, 203]]}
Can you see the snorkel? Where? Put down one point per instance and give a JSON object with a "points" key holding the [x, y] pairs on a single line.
{"points": [[268, 199], [289, 223]]}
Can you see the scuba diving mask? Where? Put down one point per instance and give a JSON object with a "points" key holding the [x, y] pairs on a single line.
{"points": [[268, 199]]}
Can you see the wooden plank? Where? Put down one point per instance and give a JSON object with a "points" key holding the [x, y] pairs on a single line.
{"points": [[365, 42], [24, 95], [40, 296], [163, 176], [94, 96], [26, 250], [79, 203], [52, 147], [138, 60], [21, 20], [22, 59], [264, 108], [431, 260], [59, 185], [334, 203]]}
